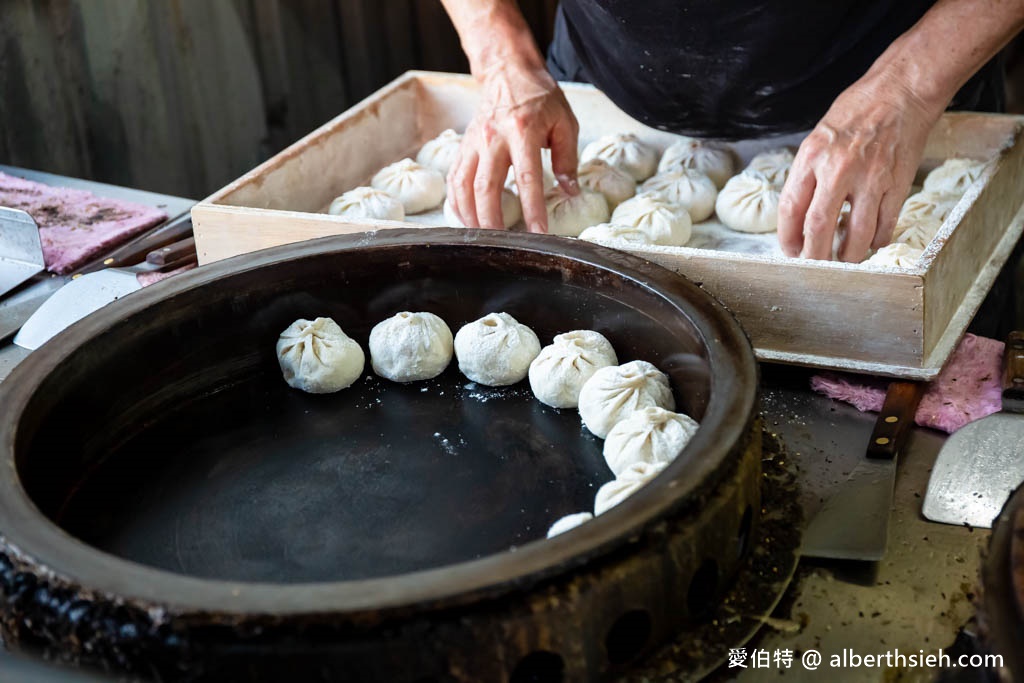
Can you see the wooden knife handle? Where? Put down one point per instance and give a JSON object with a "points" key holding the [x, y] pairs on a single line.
{"points": [[1013, 373], [186, 260], [135, 251], [172, 252], [895, 420]]}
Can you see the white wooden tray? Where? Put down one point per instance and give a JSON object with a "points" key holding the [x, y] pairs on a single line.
{"points": [[825, 314]]}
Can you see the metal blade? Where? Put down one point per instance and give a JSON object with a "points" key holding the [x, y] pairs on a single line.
{"points": [[977, 468], [21, 250], [74, 301], [854, 523], [19, 307]]}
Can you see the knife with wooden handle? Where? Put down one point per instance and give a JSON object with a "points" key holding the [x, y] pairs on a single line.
{"points": [[84, 294], [134, 251], [177, 251], [895, 420], [1013, 373], [854, 523]]}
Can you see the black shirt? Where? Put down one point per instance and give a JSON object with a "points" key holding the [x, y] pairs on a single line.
{"points": [[735, 68]]}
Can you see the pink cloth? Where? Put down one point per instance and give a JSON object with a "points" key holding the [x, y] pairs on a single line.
{"points": [[967, 389], [76, 226], [147, 279]]}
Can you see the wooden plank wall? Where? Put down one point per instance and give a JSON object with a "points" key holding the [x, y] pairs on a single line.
{"points": [[182, 96]]}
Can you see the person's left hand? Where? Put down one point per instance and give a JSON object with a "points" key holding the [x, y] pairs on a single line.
{"points": [[865, 150]]}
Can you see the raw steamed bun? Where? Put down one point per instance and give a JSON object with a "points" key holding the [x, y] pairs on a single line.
{"points": [[511, 210], [610, 232], [954, 175], [717, 163], [626, 152], [652, 435], [367, 202], [316, 356], [929, 204], [773, 165], [916, 232], [749, 203], [632, 479], [690, 189], [408, 347], [496, 350], [569, 216], [561, 369], [898, 255], [547, 173], [440, 153], [568, 523], [615, 184], [666, 223], [842, 228], [418, 188], [613, 393]]}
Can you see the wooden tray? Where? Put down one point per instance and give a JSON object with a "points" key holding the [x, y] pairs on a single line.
{"points": [[824, 314]]}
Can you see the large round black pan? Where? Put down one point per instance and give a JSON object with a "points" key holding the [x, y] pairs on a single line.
{"points": [[214, 523]]}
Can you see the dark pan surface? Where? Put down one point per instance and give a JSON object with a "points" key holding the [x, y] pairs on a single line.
{"points": [[261, 482], [250, 480], [159, 430]]}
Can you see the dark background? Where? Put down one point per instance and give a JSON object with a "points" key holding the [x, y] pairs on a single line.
{"points": [[183, 96]]}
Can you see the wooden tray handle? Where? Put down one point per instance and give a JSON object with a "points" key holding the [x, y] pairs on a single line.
{"points": [[1013, 373]]}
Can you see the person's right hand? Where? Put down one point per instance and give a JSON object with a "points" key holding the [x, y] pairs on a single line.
{"points": [[521, 110]]}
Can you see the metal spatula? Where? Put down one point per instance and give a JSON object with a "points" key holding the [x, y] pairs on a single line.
{"points": [[982, 462], [21, 250]]}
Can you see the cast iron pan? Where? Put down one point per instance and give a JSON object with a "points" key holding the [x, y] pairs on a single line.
{"points": [[1001, 607], [157, 458]]}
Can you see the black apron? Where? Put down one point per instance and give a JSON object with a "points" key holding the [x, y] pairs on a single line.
{"points": [[735, 69]]}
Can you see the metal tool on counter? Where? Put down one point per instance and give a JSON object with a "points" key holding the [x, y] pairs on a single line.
{"points": [[134, 251], [19, 308], [90, 293], [854, 523], [982, 462], [21, 249]]}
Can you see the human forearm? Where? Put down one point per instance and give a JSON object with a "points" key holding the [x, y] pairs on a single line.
{"points": [[867, 147], [521, 110], [950, 43], [493, 33]]}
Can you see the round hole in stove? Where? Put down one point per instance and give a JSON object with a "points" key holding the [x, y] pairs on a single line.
{"points": [[540, 666], [628, 636], [703, 589]]}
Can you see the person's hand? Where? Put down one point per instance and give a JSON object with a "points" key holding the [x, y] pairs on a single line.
{"points": [[865, 150], [521, 110]]}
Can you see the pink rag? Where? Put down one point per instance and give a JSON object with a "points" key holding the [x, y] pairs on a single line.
{"points": [[76, 226], [147, 279], [967, 389]]}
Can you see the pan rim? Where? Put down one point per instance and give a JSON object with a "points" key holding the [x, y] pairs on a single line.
{"points": [[34, 539]]}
